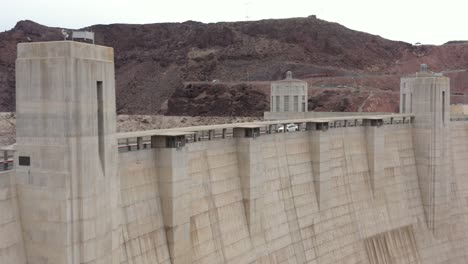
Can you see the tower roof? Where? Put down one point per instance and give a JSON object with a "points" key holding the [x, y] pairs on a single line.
{"points": [[289, 78], [425, 72]]}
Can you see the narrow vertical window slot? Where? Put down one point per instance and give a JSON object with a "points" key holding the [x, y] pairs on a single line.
{"points": [[277, 103], [272, 103], [403, 104], [411, 103], [286, 103], [100, 122], [443, 107], [296, 103], [303, 103]]}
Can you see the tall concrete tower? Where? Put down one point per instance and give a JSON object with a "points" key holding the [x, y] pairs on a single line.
{"points": [[68, 188], [288, 95], [427, 96]]}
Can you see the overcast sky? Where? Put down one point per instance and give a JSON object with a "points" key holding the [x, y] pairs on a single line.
{"points": [[428, 22]]}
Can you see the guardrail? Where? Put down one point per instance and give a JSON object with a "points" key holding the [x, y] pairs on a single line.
{"points": [[7, 159], [459, 118], [131, 141]]}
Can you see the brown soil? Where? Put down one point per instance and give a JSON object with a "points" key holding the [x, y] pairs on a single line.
{"points": [[161, 67]]}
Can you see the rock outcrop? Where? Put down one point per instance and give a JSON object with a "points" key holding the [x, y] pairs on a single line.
{"points": [[158, 66]]}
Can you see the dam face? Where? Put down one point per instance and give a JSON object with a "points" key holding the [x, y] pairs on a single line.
{"points": [[373, 189]]}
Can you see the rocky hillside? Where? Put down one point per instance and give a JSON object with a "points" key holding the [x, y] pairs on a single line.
{"points": [[193, 68]]}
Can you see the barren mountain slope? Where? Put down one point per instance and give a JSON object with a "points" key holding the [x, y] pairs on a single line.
{"points": [[347, 70]]}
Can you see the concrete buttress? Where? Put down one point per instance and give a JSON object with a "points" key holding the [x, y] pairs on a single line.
{"points": [[251, 173], [375, 151], [320, 151], [174, 189]]}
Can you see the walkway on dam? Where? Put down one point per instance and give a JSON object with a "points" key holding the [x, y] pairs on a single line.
{"points": [[142, 139]]}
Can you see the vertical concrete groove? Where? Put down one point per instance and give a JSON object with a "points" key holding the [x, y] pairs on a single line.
{"points": [[20, 221], [173, 186], [70, 162], [315, 170], [72, 211], [252, 174], [432, 151], [213, 211], [127, 246], [396, 246], [79, 205], [291, 214], [346, 176]]}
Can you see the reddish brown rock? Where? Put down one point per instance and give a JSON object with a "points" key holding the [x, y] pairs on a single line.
{"points": [[347, 70]]}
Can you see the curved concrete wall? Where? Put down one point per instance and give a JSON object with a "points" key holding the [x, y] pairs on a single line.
{"points": [[391, 189], [144, 237], [11, 241], [303, 197], [219, 228]]}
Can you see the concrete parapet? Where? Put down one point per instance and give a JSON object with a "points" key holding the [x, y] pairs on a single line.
{"points": [[247, 131], [317, 125], [263, 126], [307, 115]]}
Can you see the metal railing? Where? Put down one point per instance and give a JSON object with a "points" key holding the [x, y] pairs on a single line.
{"points": [[131, 141], [7, 160], [458, 117]]}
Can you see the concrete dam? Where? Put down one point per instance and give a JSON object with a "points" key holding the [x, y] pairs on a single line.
{"points": [[368, 189]]}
